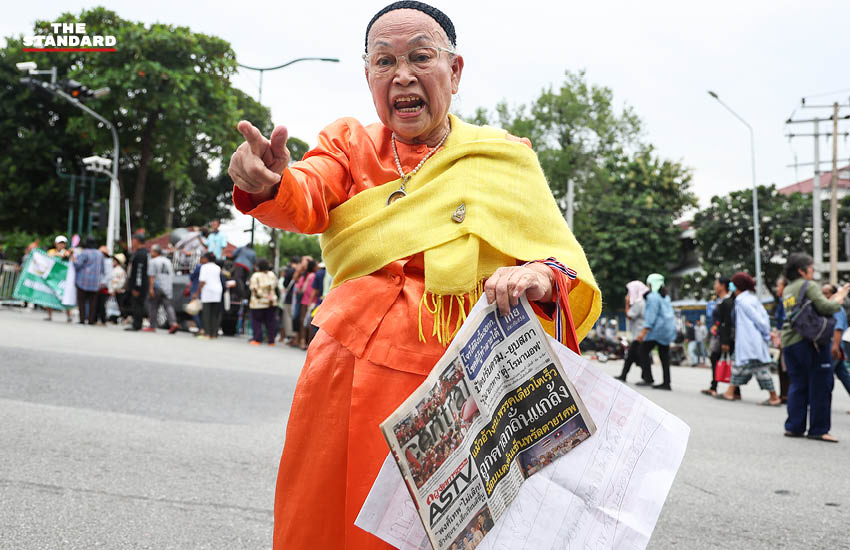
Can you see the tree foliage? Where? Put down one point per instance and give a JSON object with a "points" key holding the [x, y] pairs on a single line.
{"points": [[625, 222], [626, 198], [293, 244], [573, 128], [171, 102], [724, 234]]}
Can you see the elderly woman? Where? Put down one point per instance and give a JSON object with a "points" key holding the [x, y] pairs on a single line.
{"points": [[809, 365], [420, 215]]}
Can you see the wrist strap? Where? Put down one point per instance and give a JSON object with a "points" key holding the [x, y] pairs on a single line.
{"points": [[563, 278]]}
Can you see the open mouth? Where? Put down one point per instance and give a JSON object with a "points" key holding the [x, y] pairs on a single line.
{"points": [[408, 104]]}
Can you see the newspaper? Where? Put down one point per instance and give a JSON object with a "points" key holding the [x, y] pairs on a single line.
{"points": [[495, 409], [607, 493]]}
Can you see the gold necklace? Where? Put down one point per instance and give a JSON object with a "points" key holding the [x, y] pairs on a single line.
{"points": [[401, 192]]}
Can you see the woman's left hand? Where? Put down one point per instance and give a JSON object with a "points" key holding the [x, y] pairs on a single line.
{"points": [[507, 284]]}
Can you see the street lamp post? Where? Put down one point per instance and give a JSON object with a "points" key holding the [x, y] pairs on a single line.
{"points": [[114, 191], [260, 100], [755, 194]]}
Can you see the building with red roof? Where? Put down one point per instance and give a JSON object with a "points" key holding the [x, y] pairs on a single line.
{"points": [[806, 186]]}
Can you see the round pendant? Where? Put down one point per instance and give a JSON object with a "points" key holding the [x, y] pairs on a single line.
{"points": [[395, 195]]}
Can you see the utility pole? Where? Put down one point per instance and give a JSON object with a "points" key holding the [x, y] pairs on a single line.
{"points": [[756, 239], [833, 202], [817, 212], [817, 209], [79, 92]]}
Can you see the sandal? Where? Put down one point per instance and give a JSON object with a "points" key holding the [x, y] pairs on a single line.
{"points": [[793, 434], [722, 397], [769, 403], [823, 437], [712, 393]]}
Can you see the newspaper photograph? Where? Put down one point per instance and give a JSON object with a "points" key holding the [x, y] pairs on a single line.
{"points": [[495, 409]]}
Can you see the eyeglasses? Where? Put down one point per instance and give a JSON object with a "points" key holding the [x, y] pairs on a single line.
{"points": [[418, 59]]}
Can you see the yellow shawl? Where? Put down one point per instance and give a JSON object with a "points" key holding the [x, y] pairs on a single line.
{"points": [[510, 214]]}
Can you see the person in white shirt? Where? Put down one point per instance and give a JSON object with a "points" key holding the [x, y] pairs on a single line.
{"points": [[210, 291], [118, 283], [701, 333]]}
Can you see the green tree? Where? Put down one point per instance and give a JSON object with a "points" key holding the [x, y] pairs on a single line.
{"points": [[294, 244], [626, 221], [724, 233], [297, 148], [171, 101], [34, 132], [626, 198], [573, 128]]}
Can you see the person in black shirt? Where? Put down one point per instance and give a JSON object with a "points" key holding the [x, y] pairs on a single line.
{"points": [[723, 331], [137, 283]]}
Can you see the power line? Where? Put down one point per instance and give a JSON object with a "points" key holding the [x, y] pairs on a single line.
{"points": [[826, 93]]}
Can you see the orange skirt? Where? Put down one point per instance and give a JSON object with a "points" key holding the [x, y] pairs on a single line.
{"points": [[334, 448]]}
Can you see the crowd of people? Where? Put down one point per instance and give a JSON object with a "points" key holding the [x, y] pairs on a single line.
{"points": [[430, 457], [301, 288], [425, 466], [104, 287], [474, 533], [94, 279], [739, 331], [536, 459]]}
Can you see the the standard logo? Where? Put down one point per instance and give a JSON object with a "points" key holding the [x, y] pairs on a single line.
{"points": [[69, 37]]}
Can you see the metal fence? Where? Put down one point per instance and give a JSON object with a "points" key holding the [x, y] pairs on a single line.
{"points": [[9, 272], [183, 263]]}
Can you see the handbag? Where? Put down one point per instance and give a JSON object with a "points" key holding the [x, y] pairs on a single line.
{"points": [[723, 370], [112, 308], [193, 307], [809, 323]]}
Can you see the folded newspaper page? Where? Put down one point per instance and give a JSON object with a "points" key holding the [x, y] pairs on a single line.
{"points": [[606, 493], [496, 408]]}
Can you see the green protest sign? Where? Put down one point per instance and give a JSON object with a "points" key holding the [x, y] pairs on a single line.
{"points": [[42, 280]]}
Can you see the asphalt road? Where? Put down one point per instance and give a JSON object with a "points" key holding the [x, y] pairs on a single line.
{"points": [[126, 440]]}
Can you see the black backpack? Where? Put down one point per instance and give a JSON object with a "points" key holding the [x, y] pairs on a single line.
{"points": [[809, 323]]}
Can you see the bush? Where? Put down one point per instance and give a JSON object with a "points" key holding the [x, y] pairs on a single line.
{"points": [[15, 244]]}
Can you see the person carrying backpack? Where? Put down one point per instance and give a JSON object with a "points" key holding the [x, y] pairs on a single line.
{"points": [[808, 361]]}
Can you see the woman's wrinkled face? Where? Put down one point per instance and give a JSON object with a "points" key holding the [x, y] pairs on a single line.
{"points": [[413, 103]]}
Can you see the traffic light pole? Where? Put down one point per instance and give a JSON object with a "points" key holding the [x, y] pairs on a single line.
{"points": [[114, 191], [70, 206]]}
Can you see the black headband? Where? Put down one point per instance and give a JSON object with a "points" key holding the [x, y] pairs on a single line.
{"points": [[441, 18]]}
